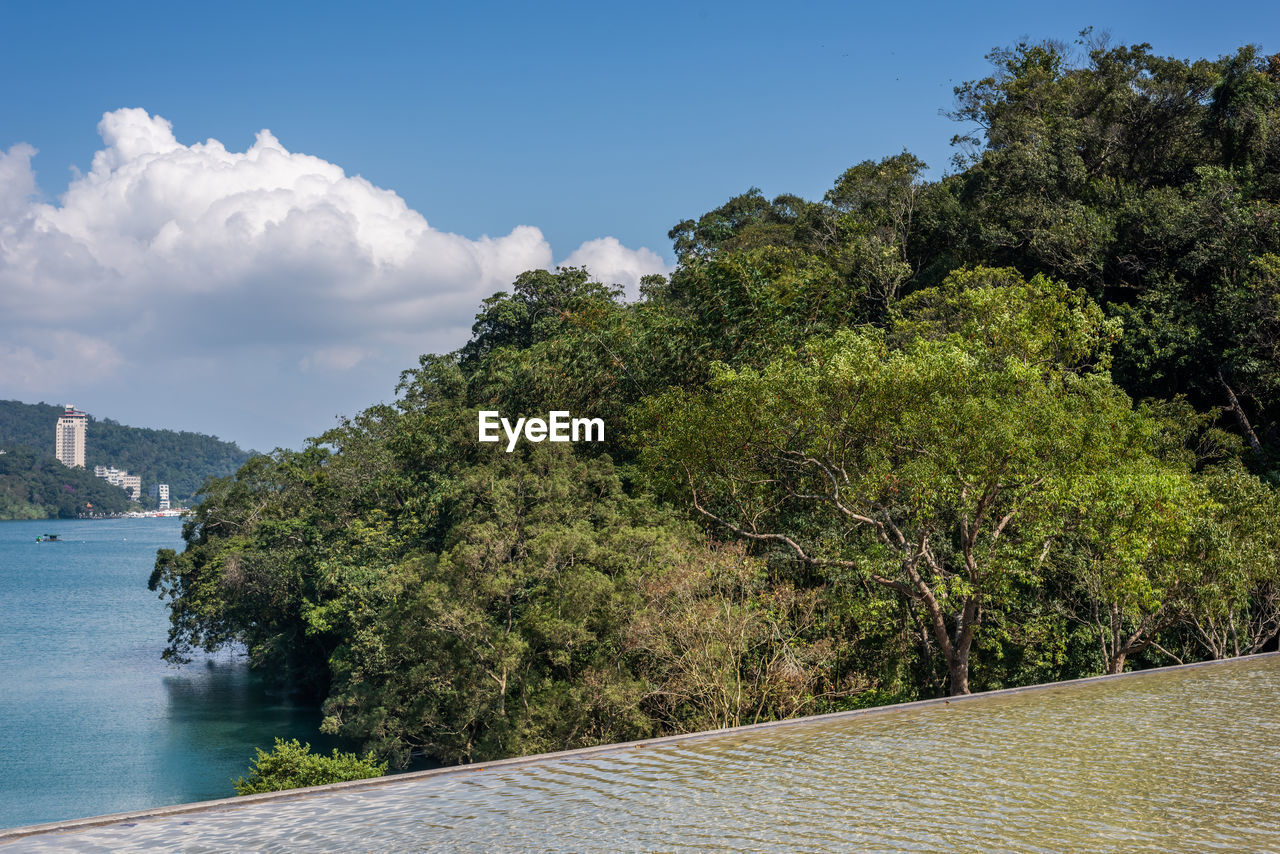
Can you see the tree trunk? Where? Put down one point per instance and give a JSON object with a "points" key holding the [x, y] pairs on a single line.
{"points": [[958, 670], [958, 660], [955, 651]]}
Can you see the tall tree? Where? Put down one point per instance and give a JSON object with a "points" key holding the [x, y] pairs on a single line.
{"points": [[937, 468]]}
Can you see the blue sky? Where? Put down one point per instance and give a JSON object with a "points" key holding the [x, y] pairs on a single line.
{"points": [[582, 121]]}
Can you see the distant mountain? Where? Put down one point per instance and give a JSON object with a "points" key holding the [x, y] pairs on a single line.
{"points": [[181, 459], [35, 486]]}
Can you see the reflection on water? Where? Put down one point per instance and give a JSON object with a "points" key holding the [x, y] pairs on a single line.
{"points": [[216, 711], [219, 700], [93, 720], [1181, 760]]}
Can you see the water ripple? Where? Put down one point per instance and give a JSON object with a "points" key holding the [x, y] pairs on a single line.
{"points": [[1180, 760]]}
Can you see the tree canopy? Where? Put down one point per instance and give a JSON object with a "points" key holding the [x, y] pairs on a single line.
{"points": [[925, 435]]}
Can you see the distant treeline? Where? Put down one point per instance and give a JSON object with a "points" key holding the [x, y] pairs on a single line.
{"points": [[181, 459], [39, 487], [918, 437]]}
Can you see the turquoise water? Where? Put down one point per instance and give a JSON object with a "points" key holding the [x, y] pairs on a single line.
{"points": [[92, 721]]}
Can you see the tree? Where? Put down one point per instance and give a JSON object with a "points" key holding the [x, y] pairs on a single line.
{"points": [[1124, 541], [509, 639], [720, 644], [876, 205], [748, 221], [1245, 108], [1233, 607], [937, 468]]}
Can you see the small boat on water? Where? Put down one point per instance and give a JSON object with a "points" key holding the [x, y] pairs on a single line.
{"points": [[48, 538]]}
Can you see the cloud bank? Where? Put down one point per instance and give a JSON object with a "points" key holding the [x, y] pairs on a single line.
{"points": [[197, 252]]}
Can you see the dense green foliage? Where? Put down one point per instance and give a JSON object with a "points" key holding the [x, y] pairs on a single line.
{"points": [[33, 486], [1012, 425], [291, 765], [183, 460]]}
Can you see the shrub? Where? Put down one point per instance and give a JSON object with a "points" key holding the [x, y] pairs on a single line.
{"points": [[291, 765]]}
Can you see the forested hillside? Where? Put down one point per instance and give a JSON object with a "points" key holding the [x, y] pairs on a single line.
{"points": [[918, 437], [181, 459], [33, 486]]}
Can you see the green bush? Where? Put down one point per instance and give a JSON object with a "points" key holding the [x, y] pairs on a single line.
{"points": [[292, 765]]}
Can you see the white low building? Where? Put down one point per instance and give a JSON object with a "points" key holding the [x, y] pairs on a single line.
{"points": [[131, 483]]}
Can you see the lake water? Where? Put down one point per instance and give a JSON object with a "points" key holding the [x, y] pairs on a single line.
{"points": [[91, 720], [1173, 760]]}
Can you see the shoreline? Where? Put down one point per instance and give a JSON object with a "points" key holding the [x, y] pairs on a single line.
{"points": [[138, 514]]}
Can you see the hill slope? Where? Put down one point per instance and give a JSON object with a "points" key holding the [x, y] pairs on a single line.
{"points": [[33, 486], [181, 459]]}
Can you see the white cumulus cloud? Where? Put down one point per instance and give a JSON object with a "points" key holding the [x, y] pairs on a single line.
{"points": [[164, 250], [613, 263]]}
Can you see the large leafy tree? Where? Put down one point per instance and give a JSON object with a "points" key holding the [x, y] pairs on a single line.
{"points": [[1233, 607], [509, 639], [937, 468]]}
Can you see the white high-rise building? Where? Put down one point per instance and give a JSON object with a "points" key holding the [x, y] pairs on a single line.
{"points": [[163, 491], [69, 438]]}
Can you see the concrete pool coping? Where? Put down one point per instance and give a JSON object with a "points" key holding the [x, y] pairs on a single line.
{"points": [[224, 804]]}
